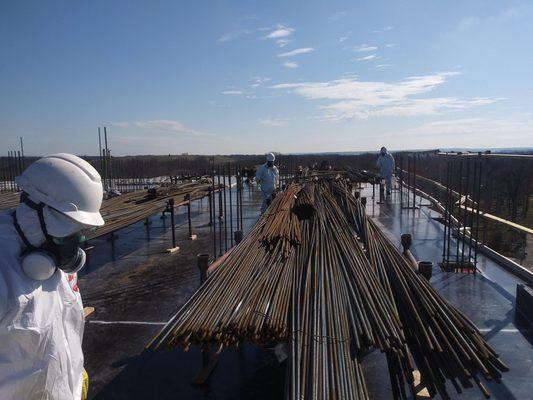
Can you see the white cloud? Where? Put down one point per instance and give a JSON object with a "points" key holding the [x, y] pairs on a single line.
{"points": [[274, 121], [350, 98], [337, 16], [495, 21], [367, 58], [282, 42], [481, 127], [343, 39], [405, 108], [167, 125], [291, 64], [232, 92], [296, 52], [390, 45], [383, 66], [122, 124], [280, 32], [386, 29], [364, 48], [258, 81], [234, 35]]}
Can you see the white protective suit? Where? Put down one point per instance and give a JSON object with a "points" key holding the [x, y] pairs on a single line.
{"points": [[41, 322], [386, 167], [268, 179]]}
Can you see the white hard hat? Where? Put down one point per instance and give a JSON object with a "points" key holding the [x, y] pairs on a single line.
{"points": [[66, 183], [270, 157]]}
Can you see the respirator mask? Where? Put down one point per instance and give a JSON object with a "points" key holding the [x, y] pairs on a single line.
{"points": [[40, 263]]}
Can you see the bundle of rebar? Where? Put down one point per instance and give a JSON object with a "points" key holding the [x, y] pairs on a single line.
{"points": [[445, 345], [248, 296], [339, 309], [304, 206], [281, 224], [124, 210], [333, 286]]}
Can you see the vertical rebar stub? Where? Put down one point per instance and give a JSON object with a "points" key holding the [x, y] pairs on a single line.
{"points": [[237, 236], [203, 265], [426, 269], [406, 240]]}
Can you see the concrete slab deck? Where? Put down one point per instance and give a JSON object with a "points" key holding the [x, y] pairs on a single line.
{"points": [[135, 289]]}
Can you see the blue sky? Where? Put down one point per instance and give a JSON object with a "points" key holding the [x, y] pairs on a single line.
{"points": [[257, 76]]}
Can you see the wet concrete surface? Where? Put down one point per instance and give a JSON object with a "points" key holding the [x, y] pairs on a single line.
{"points": [[136, 287], [487, 298], [139, 291]]}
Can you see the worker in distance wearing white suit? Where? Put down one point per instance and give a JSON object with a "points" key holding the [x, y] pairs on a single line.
{"points": [[385, 164], [41, 313], [267, 176]]}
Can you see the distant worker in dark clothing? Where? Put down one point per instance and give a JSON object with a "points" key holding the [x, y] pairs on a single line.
{"points": [[385, 165]]}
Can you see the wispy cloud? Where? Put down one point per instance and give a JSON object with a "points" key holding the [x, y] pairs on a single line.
{"points": [[234, 35], [337, 16], [390, 45], [364, 48], [343, 39], [351, 98], [367, 58], [386, 29], [249, 17], [282, 42], [166, 125], [232, 92], [274, 121], [296, 52], [291, 64], [258, 81], [505, 16], [281, 31], [481, 127], [383, 66]]}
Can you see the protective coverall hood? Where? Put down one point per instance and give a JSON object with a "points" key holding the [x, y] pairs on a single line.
{"points": [[43, 252], [57, 224]]}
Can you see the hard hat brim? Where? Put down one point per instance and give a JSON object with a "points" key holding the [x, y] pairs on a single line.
{"points": [[85, 218]]}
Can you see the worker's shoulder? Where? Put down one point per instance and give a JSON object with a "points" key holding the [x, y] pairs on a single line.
{"points": [[7, 229]]}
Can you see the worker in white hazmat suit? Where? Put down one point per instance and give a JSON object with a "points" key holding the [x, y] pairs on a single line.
{"points": [[41, 313], [385, 164], [267, 177]]}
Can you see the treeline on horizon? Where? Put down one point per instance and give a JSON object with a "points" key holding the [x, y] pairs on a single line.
{"points": [[507, 182]]}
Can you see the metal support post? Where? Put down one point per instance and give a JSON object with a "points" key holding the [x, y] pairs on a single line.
{"points": [[174, 247], [189, 220]]}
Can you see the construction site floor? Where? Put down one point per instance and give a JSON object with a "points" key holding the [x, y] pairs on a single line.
{"points": [[135, 288], [487, 298]]}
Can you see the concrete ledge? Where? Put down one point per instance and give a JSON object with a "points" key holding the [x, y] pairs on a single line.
{"points": [[507, 263]]}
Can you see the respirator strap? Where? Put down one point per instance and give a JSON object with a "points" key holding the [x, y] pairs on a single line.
{"points": [[25, 198], [39, 207]]}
